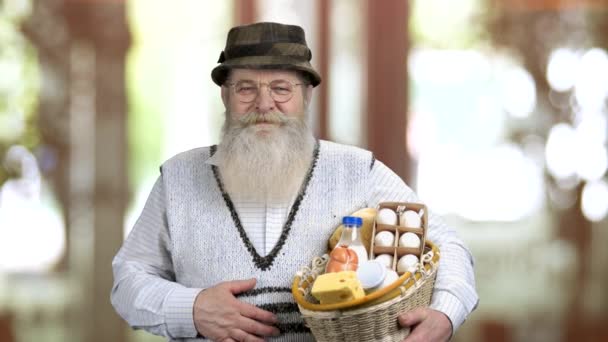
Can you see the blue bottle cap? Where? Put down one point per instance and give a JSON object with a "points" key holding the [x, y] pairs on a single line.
{"points": [[352, 221]]}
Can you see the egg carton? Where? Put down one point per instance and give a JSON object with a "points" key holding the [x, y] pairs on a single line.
{"points": [[397, 251]]}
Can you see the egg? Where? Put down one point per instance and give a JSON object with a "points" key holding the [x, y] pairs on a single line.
{"points": [[385, 259], [409, 240], [410, 218], [390, 277], [407, 263], [386, 216], [384, 239]]}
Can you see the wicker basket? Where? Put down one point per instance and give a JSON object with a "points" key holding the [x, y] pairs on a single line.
{"points": [[373, 317]]}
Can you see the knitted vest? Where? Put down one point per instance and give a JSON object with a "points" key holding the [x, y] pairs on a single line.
{"points": [[209, 244]]}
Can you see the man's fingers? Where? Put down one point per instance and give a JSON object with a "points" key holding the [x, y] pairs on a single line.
{"points": [[238, 286], [257, 328], [413, 317], [256, 313], [240, 335]]}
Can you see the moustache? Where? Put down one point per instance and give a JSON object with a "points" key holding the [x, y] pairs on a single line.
{"points": [[255, 118]]}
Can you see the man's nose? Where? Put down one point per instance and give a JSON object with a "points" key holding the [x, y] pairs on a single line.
{"points": [[264, 102]]}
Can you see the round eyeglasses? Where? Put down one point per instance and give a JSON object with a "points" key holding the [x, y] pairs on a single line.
{"points": [[247, 91]]}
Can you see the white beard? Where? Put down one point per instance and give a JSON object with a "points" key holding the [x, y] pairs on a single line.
{"points": [[264, 167]]}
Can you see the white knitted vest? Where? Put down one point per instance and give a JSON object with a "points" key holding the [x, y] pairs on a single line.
{"points": [[209, 245]]}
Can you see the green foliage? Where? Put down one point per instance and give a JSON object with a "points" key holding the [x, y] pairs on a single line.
{"points": [[19, 86]]}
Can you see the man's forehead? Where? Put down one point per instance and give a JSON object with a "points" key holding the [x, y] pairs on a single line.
{"points": [[256, 74]]}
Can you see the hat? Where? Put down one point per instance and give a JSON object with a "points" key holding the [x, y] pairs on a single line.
{"points": [[265, 46]]}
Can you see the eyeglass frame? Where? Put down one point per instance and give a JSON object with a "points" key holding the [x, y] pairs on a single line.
{"points": [[259, 86]]}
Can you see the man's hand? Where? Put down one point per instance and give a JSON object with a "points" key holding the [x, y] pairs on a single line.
{"points": [[219, 316], [426, 325]]}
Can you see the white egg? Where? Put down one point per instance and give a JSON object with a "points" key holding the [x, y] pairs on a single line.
{"points": [[386, 216], [391, 277], [407, 263], [385, 259], [384, 239], [410, 218], [409, 240]]}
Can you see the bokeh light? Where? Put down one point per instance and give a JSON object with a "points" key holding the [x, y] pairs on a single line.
{"points": [[578, 151], [592, 124], [592, 156], [32, 231], [591, 86], [518, 93], [594, 201], [561, 151], [561, 69], [474, 178]]}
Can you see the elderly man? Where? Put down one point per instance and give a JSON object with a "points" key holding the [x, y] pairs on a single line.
{"points": [[226, 227]]}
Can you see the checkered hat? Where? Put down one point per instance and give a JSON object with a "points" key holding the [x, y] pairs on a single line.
{"points": [[265, 46]]}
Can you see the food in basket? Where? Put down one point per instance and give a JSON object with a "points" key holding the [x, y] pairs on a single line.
{"points": [[386, 216], [367, 215], [407, 263], [374, 314], [391, 277], [351, 239], [375, 276], [342, 258], [331, 288], [371, 274], [384, 239], [409, 233], [409, 240], [386, 260], [410, 218]]}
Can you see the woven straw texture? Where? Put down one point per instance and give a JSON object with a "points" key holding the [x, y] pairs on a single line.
{"points": [[365, 322]]}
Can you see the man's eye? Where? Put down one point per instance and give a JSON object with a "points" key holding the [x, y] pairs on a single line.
{"points": [[245, 89], [280, 90]]}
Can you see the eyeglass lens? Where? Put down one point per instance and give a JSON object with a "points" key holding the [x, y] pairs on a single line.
{"points": [[280, 90]]}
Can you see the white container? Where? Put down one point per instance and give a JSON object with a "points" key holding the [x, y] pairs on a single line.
{"points": [[374, 276], [371, 274]]}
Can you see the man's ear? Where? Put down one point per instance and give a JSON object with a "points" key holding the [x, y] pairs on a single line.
{"points": [[225, 95]]}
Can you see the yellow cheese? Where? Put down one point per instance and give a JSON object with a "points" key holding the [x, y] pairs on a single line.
{"points": [[337, 287]]}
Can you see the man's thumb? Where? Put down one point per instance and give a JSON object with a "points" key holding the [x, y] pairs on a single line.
{"points": [[238, 286]]}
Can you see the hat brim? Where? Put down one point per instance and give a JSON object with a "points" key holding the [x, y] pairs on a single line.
{"points": [[220, 72]]}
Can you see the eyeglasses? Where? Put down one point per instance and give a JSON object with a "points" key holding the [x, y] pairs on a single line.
{"points": [[247, 91]]}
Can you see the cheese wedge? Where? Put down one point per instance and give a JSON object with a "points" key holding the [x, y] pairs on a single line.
{"points": [[337, 287]]}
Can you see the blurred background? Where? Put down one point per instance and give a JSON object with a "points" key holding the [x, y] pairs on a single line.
{"points": [[494, 111]]}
